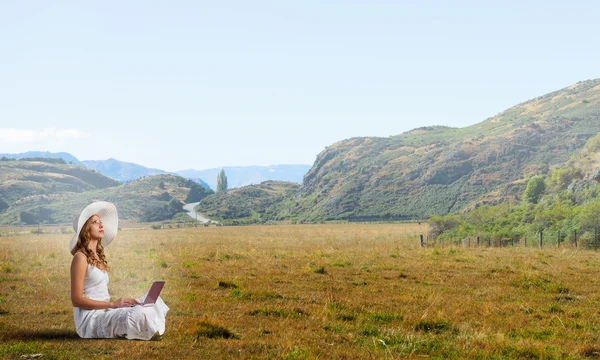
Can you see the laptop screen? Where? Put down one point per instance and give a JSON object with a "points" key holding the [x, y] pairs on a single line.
{"points": [[154, 292]]}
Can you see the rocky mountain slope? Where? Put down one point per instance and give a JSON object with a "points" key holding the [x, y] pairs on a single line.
{"points": [[437, 170]]}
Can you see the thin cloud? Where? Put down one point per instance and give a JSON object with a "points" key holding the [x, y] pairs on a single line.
{"points": [[24, 136]]}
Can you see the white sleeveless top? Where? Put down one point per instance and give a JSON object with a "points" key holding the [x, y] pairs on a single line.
{"points": [[136, 322]]}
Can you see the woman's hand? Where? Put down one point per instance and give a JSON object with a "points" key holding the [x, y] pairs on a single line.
{"points": [[123, 302]]}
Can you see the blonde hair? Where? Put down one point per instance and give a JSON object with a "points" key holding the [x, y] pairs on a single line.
{"points": [[83, 243]]}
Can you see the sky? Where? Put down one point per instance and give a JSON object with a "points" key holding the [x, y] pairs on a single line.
{"points": [[202, 84]]}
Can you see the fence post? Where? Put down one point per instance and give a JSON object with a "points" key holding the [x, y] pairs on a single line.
{"points": [[558, 240], [478, 241], [469, 241], [421, 238], [541, 237], [490, 241], [575, 233]]}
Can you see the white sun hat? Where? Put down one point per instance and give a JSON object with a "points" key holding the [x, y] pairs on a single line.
{"points": [[108, 215]]}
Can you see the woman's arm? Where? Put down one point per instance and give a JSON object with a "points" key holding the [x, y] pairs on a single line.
{"points": [[78, 269]]}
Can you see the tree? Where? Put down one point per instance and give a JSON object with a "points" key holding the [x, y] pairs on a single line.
{"points": [[176, 205], [438, 224], [535, 188], [197, 193], [222, 182]]}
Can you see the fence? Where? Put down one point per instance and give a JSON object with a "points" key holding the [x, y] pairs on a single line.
{"points": [[557, 239]]}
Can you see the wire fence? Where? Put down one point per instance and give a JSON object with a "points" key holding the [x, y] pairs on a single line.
{"points": [[543, 239]]}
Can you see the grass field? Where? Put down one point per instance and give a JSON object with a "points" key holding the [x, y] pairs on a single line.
{"points": [[343, 291]]}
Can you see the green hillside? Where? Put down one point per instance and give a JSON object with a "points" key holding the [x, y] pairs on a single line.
{"points": [[270, 200], [21, 178], [564, 205], [32, 191], [438, 170]]}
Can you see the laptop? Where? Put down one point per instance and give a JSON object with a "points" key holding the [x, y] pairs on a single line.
{"points": [[153, 293]]}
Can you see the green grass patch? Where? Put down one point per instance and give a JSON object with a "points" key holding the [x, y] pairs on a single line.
{"points": [[555, 309], [530, 283], [20, 347], [557, 288], [9, 269], [384, 317], [189, 297], [224, 284], [283, 313], [208, 329], [298, 353], [533, 334], [336, 328], [434, 326], [345, 316], [226, 257], [320, 270], [340, 263], [370, 330], [188, 264]]}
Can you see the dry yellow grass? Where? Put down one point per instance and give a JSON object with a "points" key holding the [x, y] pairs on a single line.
{"points": [[343, 291]]}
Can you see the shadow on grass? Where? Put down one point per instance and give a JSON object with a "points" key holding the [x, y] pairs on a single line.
{"points": [[33, 335]]}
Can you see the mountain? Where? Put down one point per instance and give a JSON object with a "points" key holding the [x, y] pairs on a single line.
{"points": [[121, 170], [238, 176], [438, 170], [46, 191], [68, 158]]}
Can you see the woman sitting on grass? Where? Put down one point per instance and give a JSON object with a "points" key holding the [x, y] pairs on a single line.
{"points": [[95, 315]]}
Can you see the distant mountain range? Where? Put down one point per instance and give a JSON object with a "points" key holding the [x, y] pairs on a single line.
{"points": [[238, 176], [123, 171]]}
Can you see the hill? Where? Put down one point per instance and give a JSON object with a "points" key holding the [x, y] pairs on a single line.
{"points": [[32, 191], [267, 201], [68, 158], [238, 176], [560, 207], [20, 178], [439, 170], [115, 169]]}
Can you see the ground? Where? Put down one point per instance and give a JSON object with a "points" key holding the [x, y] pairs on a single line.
{"points": [[341, 291]]}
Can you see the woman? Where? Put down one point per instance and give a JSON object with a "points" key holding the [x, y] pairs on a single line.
{"points": [[96, 316]]}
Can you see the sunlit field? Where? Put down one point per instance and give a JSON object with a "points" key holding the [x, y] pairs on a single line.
{"points": [[343, 291]]}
